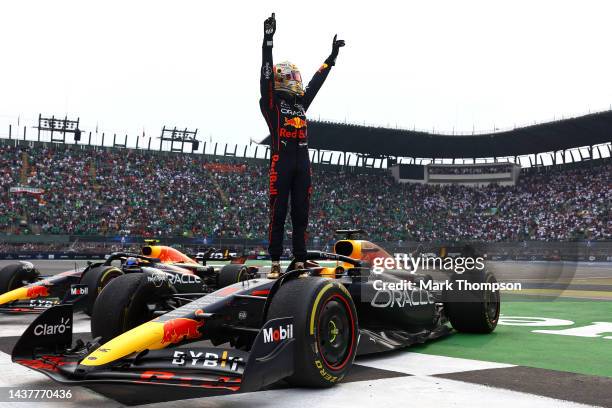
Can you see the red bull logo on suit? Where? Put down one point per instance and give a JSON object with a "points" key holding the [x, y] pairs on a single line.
{"points": [[296, 123]]}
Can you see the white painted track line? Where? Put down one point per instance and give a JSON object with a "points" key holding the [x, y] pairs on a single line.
{"points": [[422, 392], [425, 364]]}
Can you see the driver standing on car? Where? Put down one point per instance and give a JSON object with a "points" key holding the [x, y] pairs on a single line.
{"points": [[284, 103]]}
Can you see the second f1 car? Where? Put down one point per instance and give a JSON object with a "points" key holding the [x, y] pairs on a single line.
{"points": [[24, 290]]}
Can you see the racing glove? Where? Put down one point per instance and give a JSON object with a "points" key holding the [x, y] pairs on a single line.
{"points": [[336, 44], [269, 29]]}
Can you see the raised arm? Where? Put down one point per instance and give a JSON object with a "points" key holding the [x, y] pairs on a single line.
{"points": [[267, 75], [319, 77]]}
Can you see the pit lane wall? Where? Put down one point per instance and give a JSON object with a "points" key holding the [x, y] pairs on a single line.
{"points": [[61, 256]]}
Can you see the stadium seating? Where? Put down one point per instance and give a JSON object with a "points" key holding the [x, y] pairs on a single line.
{"points": [[130, 192]]}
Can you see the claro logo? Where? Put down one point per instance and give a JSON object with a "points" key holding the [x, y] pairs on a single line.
{"points": [[50, 329], [277, 334]]}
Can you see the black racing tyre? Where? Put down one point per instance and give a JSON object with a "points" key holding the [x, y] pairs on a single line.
{"points": [[232, 273], [473, 311], [325, 329], [16, 275], [96, 279], [125, 303]]}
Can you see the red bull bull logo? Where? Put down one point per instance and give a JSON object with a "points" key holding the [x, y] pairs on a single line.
{"points": [[296, 122], [37, 291], [179, 329]]}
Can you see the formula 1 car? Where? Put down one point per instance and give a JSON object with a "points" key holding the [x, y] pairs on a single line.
{"points": [[305, 327], [24, 290]]}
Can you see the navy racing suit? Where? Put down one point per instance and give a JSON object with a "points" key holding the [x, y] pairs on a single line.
{"points": [[290, 171]]}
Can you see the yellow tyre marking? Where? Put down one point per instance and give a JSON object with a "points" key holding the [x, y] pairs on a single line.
{"points": [[113, 269], [110, 270], [345, 290], [316, 303], [239, 276]]}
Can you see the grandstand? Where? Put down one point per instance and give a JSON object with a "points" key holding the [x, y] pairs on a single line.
{"points": [[124, 192], [62, 193]]}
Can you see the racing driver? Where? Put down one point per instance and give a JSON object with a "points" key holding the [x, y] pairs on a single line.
{"points": [[284, 103]]}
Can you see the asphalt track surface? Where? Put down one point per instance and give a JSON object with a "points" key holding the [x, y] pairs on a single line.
{"points": [[428, 376]]}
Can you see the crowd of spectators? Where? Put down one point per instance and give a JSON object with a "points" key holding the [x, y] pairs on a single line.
{"points": [[68, 247], [97, 191]]}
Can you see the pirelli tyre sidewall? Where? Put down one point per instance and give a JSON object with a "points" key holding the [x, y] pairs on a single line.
{"points": [[125, 303], [16, 275], [473, 311], [96, 279], [325, 329], [232, 273]]}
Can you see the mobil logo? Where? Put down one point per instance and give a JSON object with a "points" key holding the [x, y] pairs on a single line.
{"points": [[276, 334]]}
